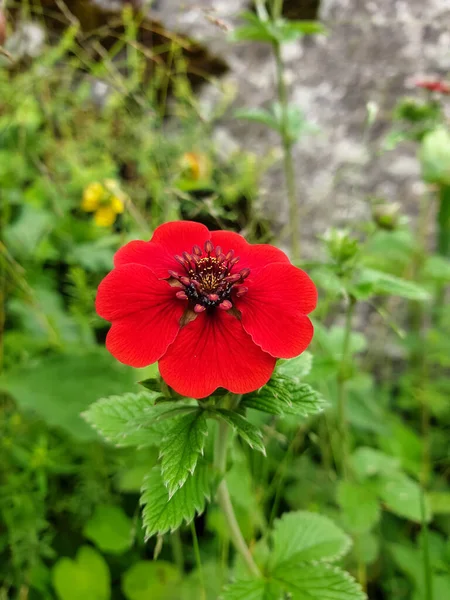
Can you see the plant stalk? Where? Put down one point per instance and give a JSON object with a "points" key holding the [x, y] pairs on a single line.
{"points": [[443, 245], [288, 160], [223, 497], [426, 549], [342, 391], [198, 560]]}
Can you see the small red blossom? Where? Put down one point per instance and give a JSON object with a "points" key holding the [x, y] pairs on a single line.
{"points": [[434, 85], [214, 310]]}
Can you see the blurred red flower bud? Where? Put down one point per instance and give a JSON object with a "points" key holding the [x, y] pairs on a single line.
{"points": [[434, 85]]}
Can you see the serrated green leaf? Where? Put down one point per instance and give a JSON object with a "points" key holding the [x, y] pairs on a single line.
{"points": [[304, 536], [161, 513], [319, 582], [402, 496], [110, 529], [296, 368], [253, 589], [384, 283], [129, 420], [284, 395], [360, 506], [85, 577], [180, 449], [248, 432]]}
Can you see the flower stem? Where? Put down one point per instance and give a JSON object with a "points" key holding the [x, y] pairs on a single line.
{"points": [[443, 245], [288, 160], [342, 391], [177, 549], [223, 497], [426, 549], [198, 560]]}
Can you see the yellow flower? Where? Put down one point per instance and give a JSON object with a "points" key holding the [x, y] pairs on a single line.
{"points": [[92, 196], [102, 201], [196, 166], [104, 216]]}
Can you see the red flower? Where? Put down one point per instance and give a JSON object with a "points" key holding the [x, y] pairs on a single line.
{"points": [[214, 310], [434, 85]]}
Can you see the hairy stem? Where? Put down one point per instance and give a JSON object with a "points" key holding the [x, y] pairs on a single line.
{"points": [[342, 391], [223, 497]]}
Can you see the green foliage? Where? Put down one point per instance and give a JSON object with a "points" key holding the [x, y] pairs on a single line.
{"points": [[293, 122], [161, 512], [277, 31], [159, 580], [248, 432], [128, 420], [181, 447], [85, 577], [303, 544], [380, 347], [319, 582], [41, 386], [302, 537], [285, 394], [110, 529]]}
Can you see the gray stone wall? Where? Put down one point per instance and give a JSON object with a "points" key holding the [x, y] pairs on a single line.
{"points": [[372, 53]]}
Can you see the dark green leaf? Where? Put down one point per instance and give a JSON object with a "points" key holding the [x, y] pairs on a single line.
{"points": [[161, 513], [284, 395], [248, 432], [180, 449]]}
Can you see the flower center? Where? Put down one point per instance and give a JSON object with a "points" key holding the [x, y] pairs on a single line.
{"points": [[207, 280]]}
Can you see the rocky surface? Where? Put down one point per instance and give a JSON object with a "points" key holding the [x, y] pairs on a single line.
{"points": [[372, 53]]}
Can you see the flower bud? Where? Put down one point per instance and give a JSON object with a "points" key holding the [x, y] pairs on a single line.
{"points": [[435, 156], [386, 216], [341, 246]]}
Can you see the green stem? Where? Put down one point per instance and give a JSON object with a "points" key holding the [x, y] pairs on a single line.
{"points": [[223, 497], [342, 390], [177, 550], [443, 245], [288, 160], [426, 549], [198, 561], [443, 221]]}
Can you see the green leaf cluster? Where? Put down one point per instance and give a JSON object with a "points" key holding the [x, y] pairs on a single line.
{"points": [[304, 547]]}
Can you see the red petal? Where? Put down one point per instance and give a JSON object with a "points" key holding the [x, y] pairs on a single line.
{"points": [[253, 256], [275, 307], [214, 351], [167, 241], [180, 236], [144, 311]]}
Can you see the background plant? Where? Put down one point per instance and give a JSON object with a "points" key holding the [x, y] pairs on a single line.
{"points": [[372, 467]]}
